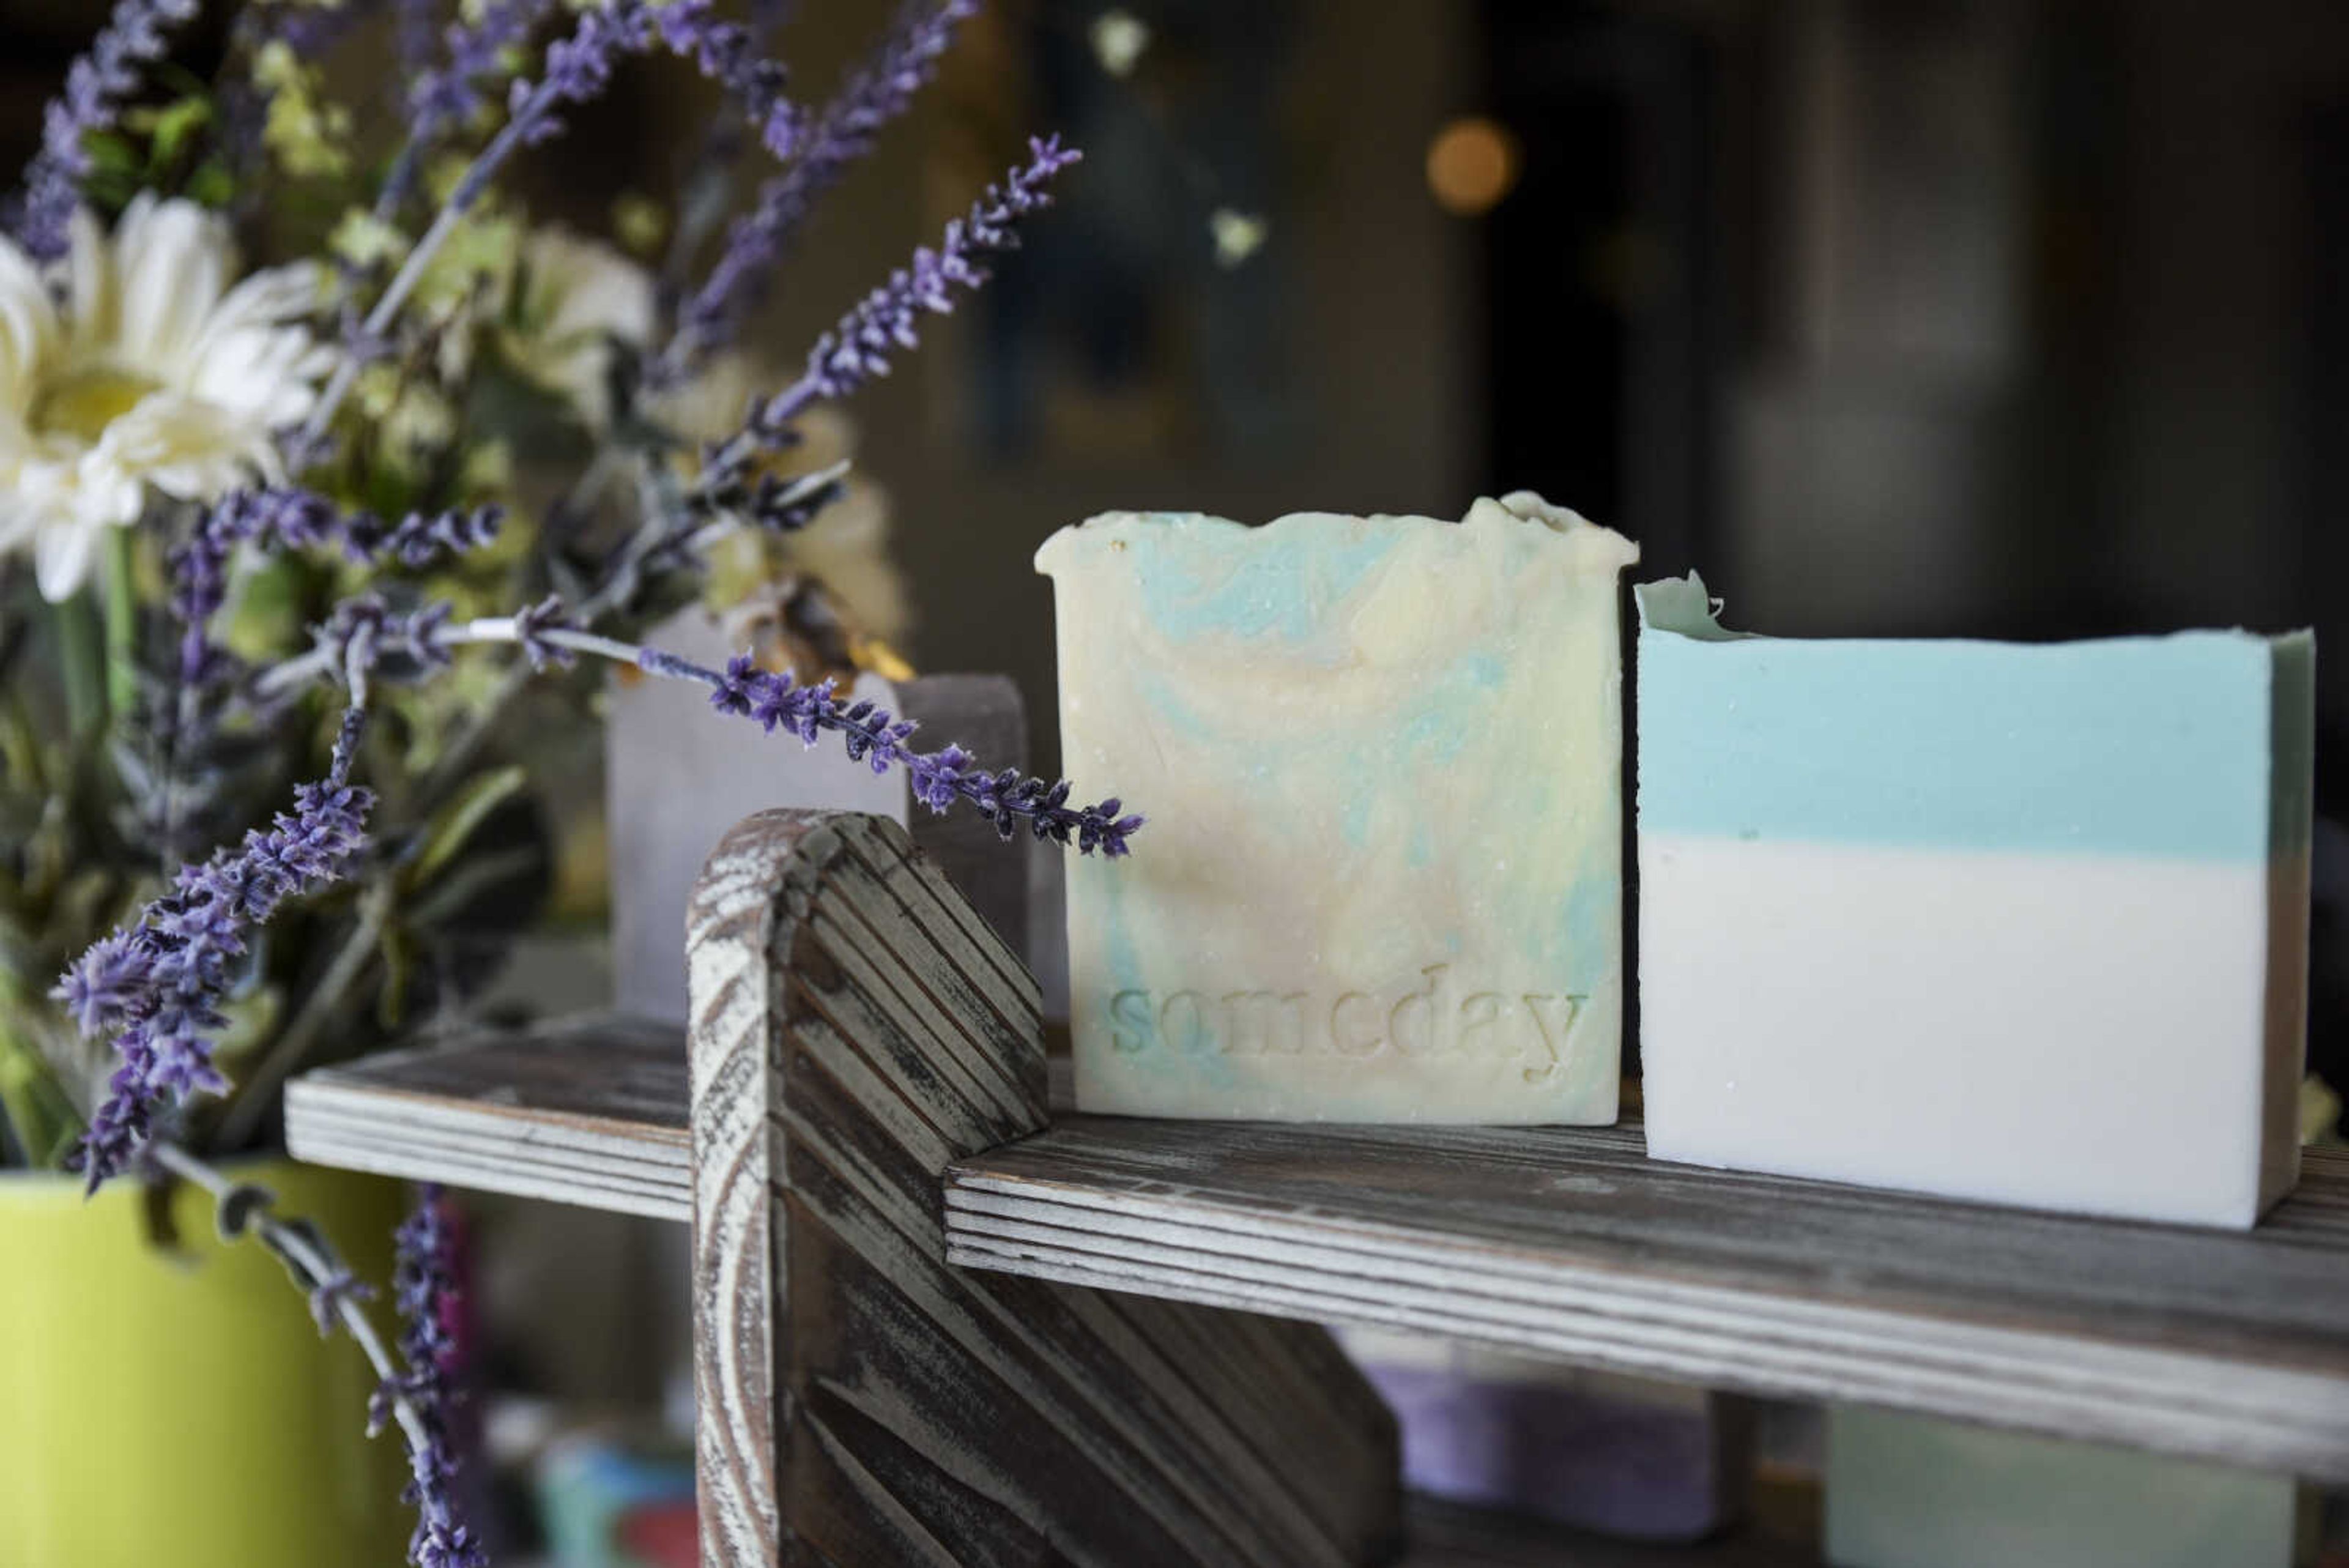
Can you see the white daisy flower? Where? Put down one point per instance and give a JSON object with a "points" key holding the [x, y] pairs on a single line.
{"points": [[160, 369], [578, 298]]}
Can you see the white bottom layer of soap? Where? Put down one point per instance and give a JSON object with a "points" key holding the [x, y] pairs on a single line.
{"points": [[2079, 1032]]}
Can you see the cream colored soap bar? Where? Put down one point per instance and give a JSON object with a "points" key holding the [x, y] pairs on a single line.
{"points": [[1380, 759]]}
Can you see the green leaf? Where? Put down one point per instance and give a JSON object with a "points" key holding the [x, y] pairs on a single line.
{"points": [[111, 154], [211, 185], [175, 123], [462, 818], [34, 1105]]}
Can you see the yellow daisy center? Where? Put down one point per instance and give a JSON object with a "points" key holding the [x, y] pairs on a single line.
{"points": [[83, 402]]}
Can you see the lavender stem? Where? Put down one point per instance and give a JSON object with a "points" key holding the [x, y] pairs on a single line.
{"points": [[320, 1265]]}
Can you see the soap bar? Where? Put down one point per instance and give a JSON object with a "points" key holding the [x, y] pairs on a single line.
{"points": [[2020, 924], [1380, 760], [1913, 1492]]}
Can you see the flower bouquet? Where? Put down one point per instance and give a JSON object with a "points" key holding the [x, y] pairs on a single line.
{"points": [[289, 547]]}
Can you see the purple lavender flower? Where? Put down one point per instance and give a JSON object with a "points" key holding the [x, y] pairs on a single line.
{"points": [[292, 517], [860, 347], [843, 132], [421, 539], [423, 1287], [727, 53], [874, 734], [330, 1294], [531, 624], [578, 70], [96, 88], [159, 982], [289, 517], [886, 321], [366, 632], [105, 983], [439, 100]]}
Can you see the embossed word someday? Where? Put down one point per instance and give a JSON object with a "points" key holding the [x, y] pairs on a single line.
{"points": [[1436, 1020]]}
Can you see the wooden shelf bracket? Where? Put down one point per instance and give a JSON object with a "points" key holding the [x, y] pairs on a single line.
{"points": [[857, 1028]]}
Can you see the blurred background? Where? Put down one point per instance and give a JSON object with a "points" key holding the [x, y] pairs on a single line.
{"points": [[1998, 317]]}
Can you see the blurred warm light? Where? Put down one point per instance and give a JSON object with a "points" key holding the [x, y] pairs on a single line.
{"points": [[1471, 165]]}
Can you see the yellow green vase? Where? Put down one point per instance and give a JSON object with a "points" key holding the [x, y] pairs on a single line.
{"points": [[179, 1407]]}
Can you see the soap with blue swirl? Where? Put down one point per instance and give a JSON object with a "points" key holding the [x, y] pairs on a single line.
{"points": [[1381, 758]]}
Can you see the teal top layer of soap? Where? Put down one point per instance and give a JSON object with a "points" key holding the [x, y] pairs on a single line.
{"points": [[2191, 745]]}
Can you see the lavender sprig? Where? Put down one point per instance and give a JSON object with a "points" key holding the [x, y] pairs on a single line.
{"points": [[158, 984], [423, 1284], [844, 131], [549, 635], [96, 86], [728, 54], [335, 1295], [328, 1296], [444, 98], [577, 68], [290, 517], [775, 700], [859, 348]]}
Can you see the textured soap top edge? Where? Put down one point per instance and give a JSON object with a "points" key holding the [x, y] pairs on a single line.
{"points": [[2182, 745], [1684, 608], [1603, 549]]}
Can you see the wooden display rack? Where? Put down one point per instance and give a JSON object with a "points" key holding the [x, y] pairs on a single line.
{"points": [[936, 1322]]}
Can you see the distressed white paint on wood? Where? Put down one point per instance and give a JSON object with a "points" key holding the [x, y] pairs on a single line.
{"points": [[856, 1027]]}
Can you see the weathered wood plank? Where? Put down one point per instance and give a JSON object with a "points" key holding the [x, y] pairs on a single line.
{"points": [[1564, 1241], [589, 1111], [855, 1029], [2221, 1344]]}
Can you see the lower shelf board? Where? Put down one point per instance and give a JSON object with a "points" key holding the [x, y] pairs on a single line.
{"points": [[1560, 1241]]}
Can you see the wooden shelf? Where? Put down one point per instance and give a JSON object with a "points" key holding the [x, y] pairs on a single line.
{"points": [[589, 1111], [1565, 1241], [1570, 1242]]}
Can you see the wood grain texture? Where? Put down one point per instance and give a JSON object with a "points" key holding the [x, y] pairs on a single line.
{"points": [[855, 1029], [1563, 1240], [588, 1111], [1571, 1242]]}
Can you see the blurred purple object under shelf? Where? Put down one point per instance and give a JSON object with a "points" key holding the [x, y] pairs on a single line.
{"points": [[1623, 1455]]}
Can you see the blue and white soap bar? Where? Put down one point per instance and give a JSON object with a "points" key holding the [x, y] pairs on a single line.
{"points": [[1381, 763], [2021, 924]]}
